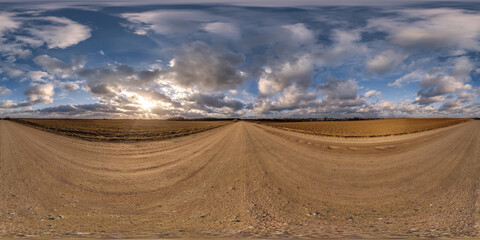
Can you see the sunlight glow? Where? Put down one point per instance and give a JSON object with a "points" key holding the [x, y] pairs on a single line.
{"points": [[145, 103]]}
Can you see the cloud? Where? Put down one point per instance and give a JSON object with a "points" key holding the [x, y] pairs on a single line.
{"points": [[403, 108], [300, 33], [94, 110], [207, 67], [340, 93], [40, 93], [372, 93], [58, 67], [462, 67], [12, 50], [339, 96], [81, 109], [19, 33], [11, 71], [449, 83], [63, 109], [346, 44], [4, 90], [223, 29], [39, 76], [59, 33], [385, 62], [69, 86], [156, 95], [297, 70], [120, 85], [109, 82], [217, 100], [9, 49], [167, 21], [435, 86], [450, 105], [290, 98], [431, 28], [12, 104], [7, 22], [406, 79], [247, 3]]}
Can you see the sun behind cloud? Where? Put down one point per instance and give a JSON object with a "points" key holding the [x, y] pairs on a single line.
{"points": [[146, 104]]}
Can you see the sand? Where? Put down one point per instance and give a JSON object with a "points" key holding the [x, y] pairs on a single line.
{"points": [[240, 180]]}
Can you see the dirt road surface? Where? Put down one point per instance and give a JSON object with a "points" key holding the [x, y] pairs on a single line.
{"points": [[241, 180]]}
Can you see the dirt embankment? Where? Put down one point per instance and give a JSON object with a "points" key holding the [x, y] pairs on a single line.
{"points": [[240, 180]]}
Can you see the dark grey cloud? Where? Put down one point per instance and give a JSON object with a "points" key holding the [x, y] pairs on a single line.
{"points": [[109, 82], [450, 105], [11, 104], [333, 96], [216, 100], [436, 86], [80, 109], [207, 67], [340, 92], [62, 109], [95, 110], [70, 86]]}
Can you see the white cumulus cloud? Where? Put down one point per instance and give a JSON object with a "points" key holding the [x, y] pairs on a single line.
{"points": [[4, 90], [432, 28], [40, 93], [385, 62], [60, 33]]}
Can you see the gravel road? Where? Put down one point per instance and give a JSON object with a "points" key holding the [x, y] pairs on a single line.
{"points": [[241, 180]]}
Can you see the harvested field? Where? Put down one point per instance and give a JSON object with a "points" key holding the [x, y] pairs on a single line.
{"points": [[367, 128], [241, 180], [121, 130]]}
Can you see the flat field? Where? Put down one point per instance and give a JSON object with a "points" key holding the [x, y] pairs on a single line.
{"points": [[367, 128], [121, 130]]}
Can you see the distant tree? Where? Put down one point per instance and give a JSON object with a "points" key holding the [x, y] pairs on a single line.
{"points": [[176, 119]]}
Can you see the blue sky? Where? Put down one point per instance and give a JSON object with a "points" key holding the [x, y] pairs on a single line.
{"points": [[247, 59]]}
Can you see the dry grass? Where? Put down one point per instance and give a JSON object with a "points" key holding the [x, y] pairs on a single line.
{"points": [[121, 130], [368, 128]]}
